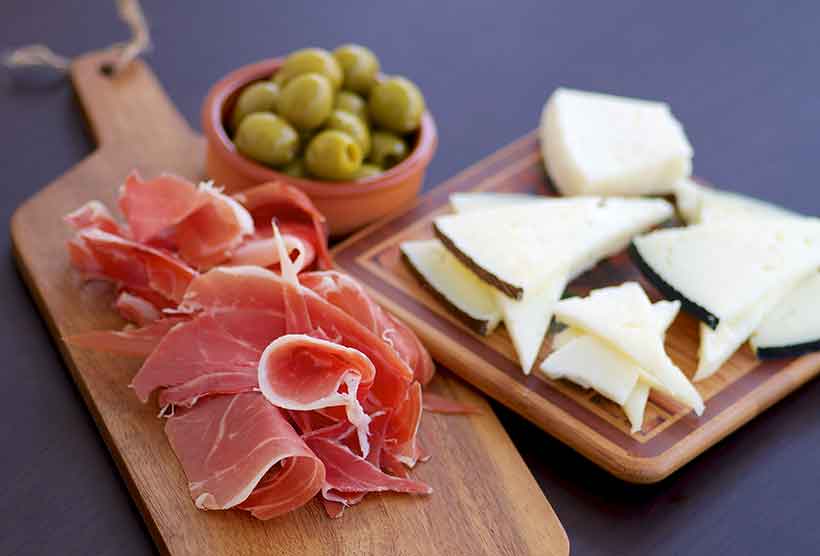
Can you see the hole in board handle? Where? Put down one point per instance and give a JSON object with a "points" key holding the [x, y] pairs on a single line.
{"points": [[107, 69]]}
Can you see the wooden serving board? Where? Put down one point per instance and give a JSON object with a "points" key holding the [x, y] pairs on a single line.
{"points": [[589, 423], [485, 500]]}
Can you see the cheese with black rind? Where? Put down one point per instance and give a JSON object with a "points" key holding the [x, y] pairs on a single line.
{"points": [[518, 247], [793, 327], [718, 270], [599, 144], [453, 284]]}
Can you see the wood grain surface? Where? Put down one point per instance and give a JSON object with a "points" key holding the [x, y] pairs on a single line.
{"points": [[485, 500], [672, 435]]}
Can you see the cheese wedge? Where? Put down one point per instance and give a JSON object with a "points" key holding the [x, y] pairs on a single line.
{"points": [[516, 248], [590, 363], [697, 203], [623, 317], [635, 405], [718, 270], [454, 284], [793, 327], [598, 144]]}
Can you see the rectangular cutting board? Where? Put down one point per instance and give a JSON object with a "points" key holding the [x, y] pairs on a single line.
{"points": [[485, 500], [589, 423]]}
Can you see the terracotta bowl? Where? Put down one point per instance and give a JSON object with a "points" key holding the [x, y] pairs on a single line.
{"points": [[346, 205]]}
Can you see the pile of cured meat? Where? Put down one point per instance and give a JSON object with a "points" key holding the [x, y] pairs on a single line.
{"points": [[280, 378]]}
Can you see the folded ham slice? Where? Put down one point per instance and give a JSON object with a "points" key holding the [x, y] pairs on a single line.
{"points": [[347, 294], [288, 206], [239, 450], [102, 255], [94, 214], [136, 309], [135, 342], [297, 371]]}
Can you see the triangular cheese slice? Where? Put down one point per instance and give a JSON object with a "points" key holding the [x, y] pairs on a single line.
{"points": [[635, 405], [724, 268], [516, 248], [623, 317], [484, 200], [453, 283], [697, 203], [793, 327]]}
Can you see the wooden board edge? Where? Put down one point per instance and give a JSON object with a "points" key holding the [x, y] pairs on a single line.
{"points": [[76, 376]]}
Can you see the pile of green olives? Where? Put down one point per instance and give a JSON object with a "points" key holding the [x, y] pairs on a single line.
{"points": [[327, 116]]}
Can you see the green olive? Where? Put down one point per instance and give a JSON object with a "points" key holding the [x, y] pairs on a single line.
{"points": [[387, 149], [257, 97], [296, 169], [306, 101], [353, 126], [396, 104], [267, 138], [310, 60], [367, 171], [359, 65], [333, 155], [353, 103]]}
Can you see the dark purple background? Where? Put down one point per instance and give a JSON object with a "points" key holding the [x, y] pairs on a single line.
{"points": [[743, 77]]}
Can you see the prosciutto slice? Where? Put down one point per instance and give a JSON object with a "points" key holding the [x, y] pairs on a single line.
{"points": [[288, 206], [211, 233], [94, 214], [243, 288], [102, 255], [136, 309], [347, 294], [135, 342], [346, 472], [297, 371], [402, 428], [240, 451], [439, 404], [210, 354], [153, 206]]}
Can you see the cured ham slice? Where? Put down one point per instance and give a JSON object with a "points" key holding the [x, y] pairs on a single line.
{"points": [[209, 235], [243, 288], [102, 255], [346, 472], [297, 371], [136, 309], [135, 342], [153, 206], [260, 250], [287, 205], [210, 354], [403, 426], [94, 214], [346, 293], [231, 445]]}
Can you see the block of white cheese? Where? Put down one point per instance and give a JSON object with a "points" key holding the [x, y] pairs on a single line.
{"points": [[599, 144], [623, 316], [454, 284]]}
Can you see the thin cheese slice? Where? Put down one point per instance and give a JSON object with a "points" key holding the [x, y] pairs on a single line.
{"points": [[635, 405], [623, 316], [458, 287], [794, 325], [590, 363], [718, 345], [597, 144], [515, 248], [527, 320], [726, 267], [697, 203]]}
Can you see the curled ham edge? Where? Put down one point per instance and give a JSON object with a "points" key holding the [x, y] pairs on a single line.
{"points": [[359, 367]]}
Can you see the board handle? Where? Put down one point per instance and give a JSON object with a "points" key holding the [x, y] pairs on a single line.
{"points": [[130, 105]]}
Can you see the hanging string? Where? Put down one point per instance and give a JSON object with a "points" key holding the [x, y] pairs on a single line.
{"points": [[39, 55]]}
